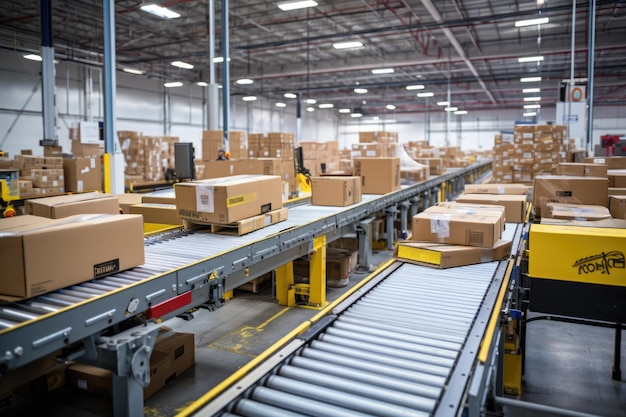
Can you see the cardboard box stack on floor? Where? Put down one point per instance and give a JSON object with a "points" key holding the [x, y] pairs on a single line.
{"points": [[83, 174], [44, 174], [80, 149], [146, 157], [321, 157], [213, 141], [340, 262]]}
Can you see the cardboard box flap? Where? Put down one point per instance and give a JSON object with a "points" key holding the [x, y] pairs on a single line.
{"points": [[447, 256], [518, 189]]}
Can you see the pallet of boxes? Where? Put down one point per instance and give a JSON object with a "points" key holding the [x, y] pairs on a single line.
{"points": [[322, 158], [146, 158]]}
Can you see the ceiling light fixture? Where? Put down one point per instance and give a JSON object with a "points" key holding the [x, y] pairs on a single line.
{"points": [[348, 45], [248, 98], [160, 11], [344, 110], [451, 109], [390, 107], [531, 90], [360, 90], [460, 112], [415, 87], [173, 84], [310, 109], [443, 103], [183, 65], [532, 98], [422, 95], [355, 115], [219, 59], [293, 5], [244, 81], [530, 113], [310, 101], [532, 106], [290, 95], [530, 59], [383, 71], [133, 71], [33, 57], [530, 79], [531, 22], [202, 84], [326, 106], [280, 104]]}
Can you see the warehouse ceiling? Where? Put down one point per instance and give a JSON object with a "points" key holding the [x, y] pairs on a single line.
{"points": [[467, 49]]}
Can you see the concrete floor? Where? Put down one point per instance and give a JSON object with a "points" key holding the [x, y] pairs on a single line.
{"points": [[567, 365]]}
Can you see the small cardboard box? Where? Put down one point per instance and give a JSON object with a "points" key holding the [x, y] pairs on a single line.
{"points": [[229, 199], [515, 189], [130, 199], [576, 212], [167, 196], [581, 169], [339, 264], [617, 178], [514, 205], [41, 255], [617, 206], [378, 175], [157, 213], [470, 208], [83, 174], [439, 255], [335, 191], [572, 190], [69, 205]]}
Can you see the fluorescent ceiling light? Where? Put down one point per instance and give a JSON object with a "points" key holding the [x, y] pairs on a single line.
{"points": [[280, 104], [530, 113], [290, 95], [451, 109], [532, 106], [421, 95], [293, 5], [531, 90], [159, 11], [202, 83], [530, 59], [415, 87], [33, 57], [443, 103], [383, 71], [248, 98], [531, 22], [219, 59], [181, 64], [530, 79], [310, 109], [344, 110], [532, 98], [347, 45], [460, 112], [133, 71], [390, 107], [356, 115], [173, 84], [360, 90], [326, 106], [244, 81], [310, 101]]}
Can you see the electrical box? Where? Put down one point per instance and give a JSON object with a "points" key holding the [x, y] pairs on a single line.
{"points": [[183, 157]]}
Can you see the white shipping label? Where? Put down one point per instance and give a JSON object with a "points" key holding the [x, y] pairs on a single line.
{"points": [[85, 170], [81, 383], [370, 153], [205, 199], [92, 162], [440, 225], [79, 185]]}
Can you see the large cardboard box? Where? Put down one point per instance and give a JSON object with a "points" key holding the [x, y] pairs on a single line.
{"points": [[42, 255], [439, 255], [572, 190], [226, 200], [515, 189], [481, 228], [157, 213], [581, 169], [335, 191], [83, 174], [612, 162], [514, 205], [69, 205], [378, 175], [575, 212]]}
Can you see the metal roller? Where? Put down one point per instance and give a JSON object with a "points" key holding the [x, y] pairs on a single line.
{"points": [[250, 408], [434, 326]]}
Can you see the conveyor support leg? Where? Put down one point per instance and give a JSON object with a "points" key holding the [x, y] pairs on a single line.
{"points": [[391, 232], [415, 205], [617, 371], [435, 195], [284, 283], [404, 211], [364, 233], [317, 273]]}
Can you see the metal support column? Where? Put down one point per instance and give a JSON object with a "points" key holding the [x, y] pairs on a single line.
{"points": [[225, 73], [47, 76], [364, 234], [435, 195], [404, 211], [390, 213], [415, 205], [426, 199], [317, 273], [617, 371], [284, 283], [213, 99], [591, 49]]}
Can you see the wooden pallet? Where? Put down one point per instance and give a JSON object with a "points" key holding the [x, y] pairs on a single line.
{"points": [[258, 284], [241, 227]]}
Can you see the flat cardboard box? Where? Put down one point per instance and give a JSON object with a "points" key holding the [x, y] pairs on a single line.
{"points": [[41, 255], [69, 205], [576, 212], [127, 200], [581, 169], [378, 175], [617, 191], [335, 191], [612, 162], [83, 174], [167, 196], [515, 189], [514, 205], [604, 223], [439, 255], [455, 227], [617, 206], [229, 199], [157, 213], [617, 178], [572, 190]]}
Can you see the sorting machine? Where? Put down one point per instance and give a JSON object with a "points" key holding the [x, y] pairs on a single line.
{"points": [[112, 322]]}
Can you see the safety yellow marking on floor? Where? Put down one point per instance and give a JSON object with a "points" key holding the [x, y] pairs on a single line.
{"points": [[238, 341], [152, 412]]}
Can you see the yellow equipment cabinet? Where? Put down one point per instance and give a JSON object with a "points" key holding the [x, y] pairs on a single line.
{"points": [[9, 190]]}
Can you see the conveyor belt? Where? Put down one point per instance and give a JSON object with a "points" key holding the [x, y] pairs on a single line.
{"points": [[406, 347]]}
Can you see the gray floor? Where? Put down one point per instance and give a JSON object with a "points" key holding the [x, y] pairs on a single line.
{"points": [[567, 365]]}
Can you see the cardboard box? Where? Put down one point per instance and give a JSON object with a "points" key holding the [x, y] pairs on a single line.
{"points": [[69, 205], [572, 190], [369, 150], [576, 212], [460, 227], [339, 264], [83, 174], [604, 223], [157, 213], [617, 206], [514, 189], [378, 175], [335, 191], [167, 196], [514, 205], [617, 178], [226, 200], [612, 162], [617, 191], [581, 169], [439, 255], [130, 199], [42, 255]]}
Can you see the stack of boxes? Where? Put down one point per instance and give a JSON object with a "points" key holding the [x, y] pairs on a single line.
{"points": [[213, 141], [281, 145], [147, 157], [40, 176], [321, 157]]}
